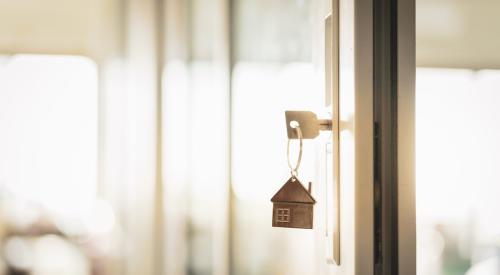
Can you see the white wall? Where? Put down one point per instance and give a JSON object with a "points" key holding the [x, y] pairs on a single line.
{"points": [[458, 33], [75, 27]]}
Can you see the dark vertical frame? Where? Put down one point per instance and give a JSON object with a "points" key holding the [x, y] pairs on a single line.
{"points": [[385, 115]]}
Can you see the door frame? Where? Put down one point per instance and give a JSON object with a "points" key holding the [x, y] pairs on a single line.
{"points": [[406, 39], [384, 72]]}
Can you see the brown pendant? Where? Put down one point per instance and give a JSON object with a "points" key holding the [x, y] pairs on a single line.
{"points": [[293, 205]]}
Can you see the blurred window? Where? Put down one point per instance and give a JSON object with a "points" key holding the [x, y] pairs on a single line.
{"points": [[48, 121], [273, 71], [458, 153]]}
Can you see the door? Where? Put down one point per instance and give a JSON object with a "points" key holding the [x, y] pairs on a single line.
{"points": [[278, 61], [373, 52], [294, 56]]}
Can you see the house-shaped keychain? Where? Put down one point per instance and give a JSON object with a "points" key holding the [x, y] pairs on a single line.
{"points": [[293, 206]]}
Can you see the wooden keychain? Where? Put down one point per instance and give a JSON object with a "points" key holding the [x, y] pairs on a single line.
{"points": [[293, 203]]}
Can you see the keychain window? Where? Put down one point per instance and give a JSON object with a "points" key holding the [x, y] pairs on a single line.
{"points": [[283, 215]]}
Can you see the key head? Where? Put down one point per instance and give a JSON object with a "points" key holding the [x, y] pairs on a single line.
{"points": [[308, 122]]}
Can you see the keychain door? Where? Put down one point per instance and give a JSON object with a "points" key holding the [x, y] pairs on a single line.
{"points": [[356, 240]]}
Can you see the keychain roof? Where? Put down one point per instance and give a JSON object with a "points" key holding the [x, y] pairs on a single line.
{"points": [[293, 191]]}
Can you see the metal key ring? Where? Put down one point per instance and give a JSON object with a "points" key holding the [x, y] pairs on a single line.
{"points": [[294, 170]]}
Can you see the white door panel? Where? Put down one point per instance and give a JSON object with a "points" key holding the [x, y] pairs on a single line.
{"points": [[355, 80]]}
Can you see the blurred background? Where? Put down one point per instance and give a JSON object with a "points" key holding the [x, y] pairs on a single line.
{"points": [[145, 136]]}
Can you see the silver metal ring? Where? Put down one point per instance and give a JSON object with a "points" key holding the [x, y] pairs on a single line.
{"points": [[294, 170]]}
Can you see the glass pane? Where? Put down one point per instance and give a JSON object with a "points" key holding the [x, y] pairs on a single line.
{"points": [[274, 71], [273, 30], [48, 143], [458, 154], [196, 137], [48, 166]]}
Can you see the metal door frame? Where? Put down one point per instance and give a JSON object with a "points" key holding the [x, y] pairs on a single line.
{"points": [[384, 50]]}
